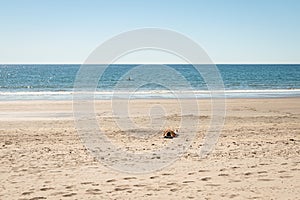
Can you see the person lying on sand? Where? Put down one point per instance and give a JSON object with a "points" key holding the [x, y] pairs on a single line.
{"points": [[169, 133]]}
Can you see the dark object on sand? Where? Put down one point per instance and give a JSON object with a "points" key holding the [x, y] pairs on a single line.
{"points": [[170, 134]]}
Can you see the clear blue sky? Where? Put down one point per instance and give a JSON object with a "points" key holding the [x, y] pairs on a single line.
{"points": [[231, 31]]}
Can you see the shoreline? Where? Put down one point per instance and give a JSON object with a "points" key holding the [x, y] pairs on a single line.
{"points": [[144, 99], [148, 99], [157, 94]]}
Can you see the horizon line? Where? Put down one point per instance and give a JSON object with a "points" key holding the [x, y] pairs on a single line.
{"points": [[150, 63]]}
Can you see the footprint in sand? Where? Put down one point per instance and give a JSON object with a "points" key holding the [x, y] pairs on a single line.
{"points": [[69, 195], [282, 171], [286, 176], [37, 198], [295, 169], [27, 193], [233, 196], [203, 170], [69, 186], [172, 183], [153, 177], [262, 172], [139, 185], [129, 178], [166, 174], [188, 181], [189, 197], [93, 191], [284, 163], [213, 185], [234, 181], [45, 189], [265, 179], [121, 188], [263, 164], [86, 183], [57, 193], [205, 178], [111, 180], [173, 189], [223, 175]]}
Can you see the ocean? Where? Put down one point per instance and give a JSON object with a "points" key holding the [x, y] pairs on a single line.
{"points": [[56, 82]]}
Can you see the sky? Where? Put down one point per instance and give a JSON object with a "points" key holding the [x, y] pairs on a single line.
{"points": [[230, 31]]}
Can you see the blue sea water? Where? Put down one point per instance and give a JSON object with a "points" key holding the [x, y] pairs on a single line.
{"points": [[56, 82]]}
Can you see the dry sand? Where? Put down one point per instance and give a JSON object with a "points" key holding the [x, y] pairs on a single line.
{"points": [[257, 155]]}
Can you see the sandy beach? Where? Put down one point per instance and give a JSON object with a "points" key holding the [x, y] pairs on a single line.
{"points": [[257, 155]]}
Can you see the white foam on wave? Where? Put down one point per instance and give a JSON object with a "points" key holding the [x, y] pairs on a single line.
{"points": [[68, 95], [39, 93]]}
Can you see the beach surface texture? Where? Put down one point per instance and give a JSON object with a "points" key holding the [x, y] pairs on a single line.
{"points": [[257, 155]]}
